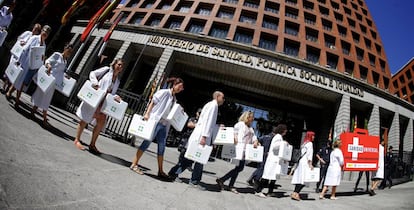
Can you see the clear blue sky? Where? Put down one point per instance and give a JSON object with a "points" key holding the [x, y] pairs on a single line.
{"points": [[395, 24]]}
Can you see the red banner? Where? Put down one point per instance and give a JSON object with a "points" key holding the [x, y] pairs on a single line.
{"points": [[360, 151]]}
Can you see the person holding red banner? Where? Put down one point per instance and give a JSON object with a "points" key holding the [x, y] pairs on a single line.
{"points": [[333, 175], [305, 161], [378, 176]]}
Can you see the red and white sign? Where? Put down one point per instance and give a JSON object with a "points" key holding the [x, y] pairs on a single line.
{"points": [[360, 151]]}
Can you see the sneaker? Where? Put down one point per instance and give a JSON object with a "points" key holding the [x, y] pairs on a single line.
{"points": [[220, 184], [234, 190], [178, 180], [197, 186], [260, 194]]}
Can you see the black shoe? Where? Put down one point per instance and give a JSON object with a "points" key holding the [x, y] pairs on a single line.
{"points": [[317, 190], [220, 184], [250, 182], [162, 175], [371, 192]]}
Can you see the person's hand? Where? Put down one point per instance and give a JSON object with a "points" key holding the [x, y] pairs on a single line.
{"points": [[48, 71], [67, 76], [117, 98], [22, 43], [203, 141], [255, 144], [146, 116], [95, 87], [311, 167], [322, 161]]}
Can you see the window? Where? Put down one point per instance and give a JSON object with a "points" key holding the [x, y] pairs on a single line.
{"points": [[351, 23], [310, 19], [137, 18], [363, 72], [147, 4], [404, 92], [363, 28], [312, 54], [226, 13], [132, 3], [346, 47], [248, 17], [378, 48], [345, 2], [335, 6], [354, 6], [371, 59], [355, 37], [338, 17], [165, 5], [204, 9], [341, 30], [322, 1], [174, 22], [327, 25], [272, 7], [154, 20], [307, 5], [292, 13], [291, 28], [184, 6], [360, 3], [329, 41], [270, 22], [367, 43], [196, 26], [375, 78], [311, 35], [331, 60], [124, 17], [268, 41], [395, 84], [251, 3], [292, 2], [373, 34], [219, 30], [382, 64], [291, 48], [408, 74], [358, 16], [360, 54], [323, 10], [349, 67], [364, 11], [347, 11], [231, 1], [243, 36]]}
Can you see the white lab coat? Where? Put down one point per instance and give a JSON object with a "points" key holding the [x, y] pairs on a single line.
{"points": [[206, 123], [333, 175], [299, 174], [42, 99], [34, 41], [273, 161], [86, 112], [379, 174], [5, 17]]}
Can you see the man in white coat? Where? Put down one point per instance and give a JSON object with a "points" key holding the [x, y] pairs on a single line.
{"points": [[203, 131]]}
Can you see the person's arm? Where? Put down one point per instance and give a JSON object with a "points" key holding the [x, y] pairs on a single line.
{"points": [[208, 126], [93, 76]]}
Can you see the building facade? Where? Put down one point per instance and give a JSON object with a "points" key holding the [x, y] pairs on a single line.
{"points": [[403, 82], [318, 64]]}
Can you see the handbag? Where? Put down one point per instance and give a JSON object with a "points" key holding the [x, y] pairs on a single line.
{"points": [[224, 136], [90, 95], [13, 72], [66, 86], [113, 108], [254, 154], [197, 152], [141, 128], [43, 80]]}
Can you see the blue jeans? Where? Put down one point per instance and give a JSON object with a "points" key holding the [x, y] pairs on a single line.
{"points": [[160, 134], [197, 172], [232, 175], [183, 163]]}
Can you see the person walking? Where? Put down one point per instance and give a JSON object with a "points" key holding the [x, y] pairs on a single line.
{"points": [[378, 176], [107, 79], [272, 162], [305, 162], [6, 15], [56, 66], [203, 132], [333, 175], [158, 109], [27, 75], [184, 163], [323, 155], [243, 134], [389, 169], [360, 174]]}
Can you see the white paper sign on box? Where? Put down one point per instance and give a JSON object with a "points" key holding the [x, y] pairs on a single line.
{"points": [[17, 49], [113, 108], [254, 154], [285, 151], [232, 151], [66, 86], [3, 35], [36, 57], [43, 80], [224, 136], [141, 128], [311, 175], [177, 117], [197, 152], [13, 72], [90, 95]]}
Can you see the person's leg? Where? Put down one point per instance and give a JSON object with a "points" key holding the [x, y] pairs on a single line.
{"points": [[197, 173], [34, 110], [161, 141], [333, 192], [79, 132], [271, 186], [367, 179], [100, 123], [359, 179], [10, 91], [177, 169], [322, 195], [239, 168]]}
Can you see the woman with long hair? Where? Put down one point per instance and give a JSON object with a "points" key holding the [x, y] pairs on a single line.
{"points": [[333, 175]]}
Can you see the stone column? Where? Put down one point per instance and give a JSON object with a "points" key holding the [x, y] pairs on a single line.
{"points": [[342, 119], [162, 68], [408, 137], [394, 133], [374, 121]]}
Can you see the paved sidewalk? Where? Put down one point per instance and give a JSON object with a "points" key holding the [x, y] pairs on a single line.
{"points": [[41, 169]]}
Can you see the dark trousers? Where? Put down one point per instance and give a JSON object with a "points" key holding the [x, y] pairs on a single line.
{"points": [[258, 173], [298, 188], [232, 175], [183, 163], [388, 178], [263, 183], [322, 175], [197, 173], [359, 179]]}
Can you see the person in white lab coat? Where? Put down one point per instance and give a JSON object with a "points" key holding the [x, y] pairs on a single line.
{"points": [[304, 162], [56, 65], [6, 15], [333, 175], [203, 132], [21, 40], [243, 134], [27, 75], [109, 82], [378, 176], [158, 109], [273, 161]]}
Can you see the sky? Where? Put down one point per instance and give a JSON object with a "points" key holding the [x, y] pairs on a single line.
{"points": [[394, 20]]}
